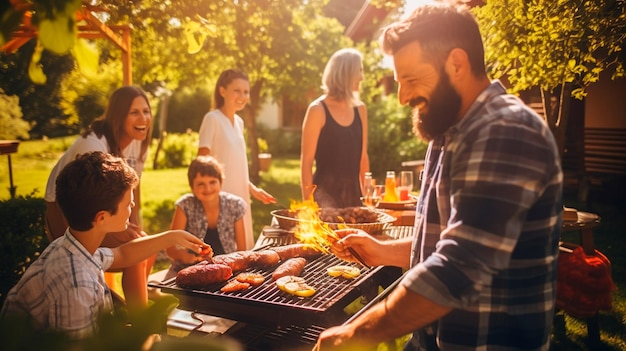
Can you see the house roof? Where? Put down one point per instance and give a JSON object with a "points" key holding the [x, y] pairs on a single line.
{"points": [[369, 18], [366, 22]]}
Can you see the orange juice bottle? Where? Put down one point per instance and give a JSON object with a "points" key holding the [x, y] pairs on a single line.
{"points": [[390, 187]]}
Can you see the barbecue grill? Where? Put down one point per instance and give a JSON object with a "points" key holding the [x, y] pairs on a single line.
{"points": [[266, 304], [270, 316]]}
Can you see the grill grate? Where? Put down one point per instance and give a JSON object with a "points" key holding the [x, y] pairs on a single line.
{"points": [[266, 304]]}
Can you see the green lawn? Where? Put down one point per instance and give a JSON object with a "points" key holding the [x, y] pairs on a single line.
{"points": [[160, 188]]}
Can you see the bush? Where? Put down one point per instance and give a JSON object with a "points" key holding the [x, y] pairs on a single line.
{"points": [[391, 139], [177, 150], [157, 216], [281, 142], [22, 239]]}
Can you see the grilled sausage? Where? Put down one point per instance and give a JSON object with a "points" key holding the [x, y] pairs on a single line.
{"points": [[202, 275], [293, 266], [296, 250], [237, 261], [263, 258]]}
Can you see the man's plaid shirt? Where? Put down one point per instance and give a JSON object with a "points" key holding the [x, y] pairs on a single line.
{"points": [[487, 227]]}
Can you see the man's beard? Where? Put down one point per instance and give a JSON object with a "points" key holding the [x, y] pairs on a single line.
{"points": [[443, 110]]}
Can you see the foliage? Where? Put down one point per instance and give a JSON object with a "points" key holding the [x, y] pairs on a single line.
{"points": [[262, 144], [391, 139], [22, 240], [39, 102], [544, 43], [558, 46], [177, 150], [158, 215], [12, 126], [186, 109], [281, 142], [115, 332]]}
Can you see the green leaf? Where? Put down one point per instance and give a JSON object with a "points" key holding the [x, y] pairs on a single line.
{"points": [[35, 70], [58, 34], [86, 57]]}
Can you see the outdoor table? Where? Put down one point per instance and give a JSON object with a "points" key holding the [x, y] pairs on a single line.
{"points": [[585, 224]]}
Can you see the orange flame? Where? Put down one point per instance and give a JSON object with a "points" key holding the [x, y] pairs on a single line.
{"points": [[311, 230]]}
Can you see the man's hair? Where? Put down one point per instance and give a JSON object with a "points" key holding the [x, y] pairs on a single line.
{"points": [[340, 74], [225, 78], [438, 27], [93, 182], [206, 166]]}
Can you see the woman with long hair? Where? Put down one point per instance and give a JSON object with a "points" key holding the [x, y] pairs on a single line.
{"points": [[221, 136], [124, 131]]}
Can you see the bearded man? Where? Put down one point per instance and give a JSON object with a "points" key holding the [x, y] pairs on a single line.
{"points": [[482, 263]]}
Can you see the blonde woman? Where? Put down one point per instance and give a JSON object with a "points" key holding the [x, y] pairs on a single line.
{"points": [[334, 135]]}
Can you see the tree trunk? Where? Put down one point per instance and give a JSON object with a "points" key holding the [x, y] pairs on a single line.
{"points": [[557, 114], [249, 116], [162, 128]]}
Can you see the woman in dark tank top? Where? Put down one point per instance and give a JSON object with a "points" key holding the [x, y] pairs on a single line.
{"points": [[334, 136]]}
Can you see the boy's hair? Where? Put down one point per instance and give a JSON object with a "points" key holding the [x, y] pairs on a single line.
{"points": [[206, 166], [438, 28], [93, 182]]}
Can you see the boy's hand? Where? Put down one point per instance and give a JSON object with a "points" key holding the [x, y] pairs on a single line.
{"points": [[185, 240]]}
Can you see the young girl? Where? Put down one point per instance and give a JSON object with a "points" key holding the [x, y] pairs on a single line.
{"points": [[208, 213], [221, 136]]}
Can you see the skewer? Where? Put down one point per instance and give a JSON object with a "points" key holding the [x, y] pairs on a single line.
{"points": [[358, 257]]}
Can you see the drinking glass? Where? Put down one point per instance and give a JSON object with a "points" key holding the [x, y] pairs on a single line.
{"points": [[406, 184]]}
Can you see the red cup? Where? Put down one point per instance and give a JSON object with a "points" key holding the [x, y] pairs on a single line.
{"points": [[404, 194]]}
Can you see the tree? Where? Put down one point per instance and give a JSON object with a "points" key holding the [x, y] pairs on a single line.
{"points": [[12, 126], [39, 102], [282, 46], [559, 46]]}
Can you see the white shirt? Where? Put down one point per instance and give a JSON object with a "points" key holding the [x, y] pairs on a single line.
{"points": [[227, 145], [92, 143]]}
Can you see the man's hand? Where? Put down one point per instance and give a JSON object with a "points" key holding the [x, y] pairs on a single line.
{"points": [[115, 239]]}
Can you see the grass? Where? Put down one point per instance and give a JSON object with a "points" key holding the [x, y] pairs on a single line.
{"points": [[35, 159]]}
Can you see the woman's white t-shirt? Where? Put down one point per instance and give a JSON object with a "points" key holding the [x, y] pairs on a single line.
{"points": [[227, 145], [132, 155]]}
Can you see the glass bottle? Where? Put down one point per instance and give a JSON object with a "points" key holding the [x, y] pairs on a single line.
{"points": [[390, 187]]}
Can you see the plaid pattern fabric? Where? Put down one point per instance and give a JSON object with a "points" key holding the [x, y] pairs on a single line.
{"points": [[64, 289], [487, 227]]}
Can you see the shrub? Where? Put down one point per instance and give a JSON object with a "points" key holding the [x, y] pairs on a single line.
{"points": [[177, 150], [391, 139], [157, 216], [22, 239], [281, 142]]}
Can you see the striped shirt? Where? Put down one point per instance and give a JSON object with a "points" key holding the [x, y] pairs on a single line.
{"points": [[487, 227], [64, 289]]}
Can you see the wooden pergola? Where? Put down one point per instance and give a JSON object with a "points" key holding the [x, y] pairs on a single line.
{"points": [[89, 27]]}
